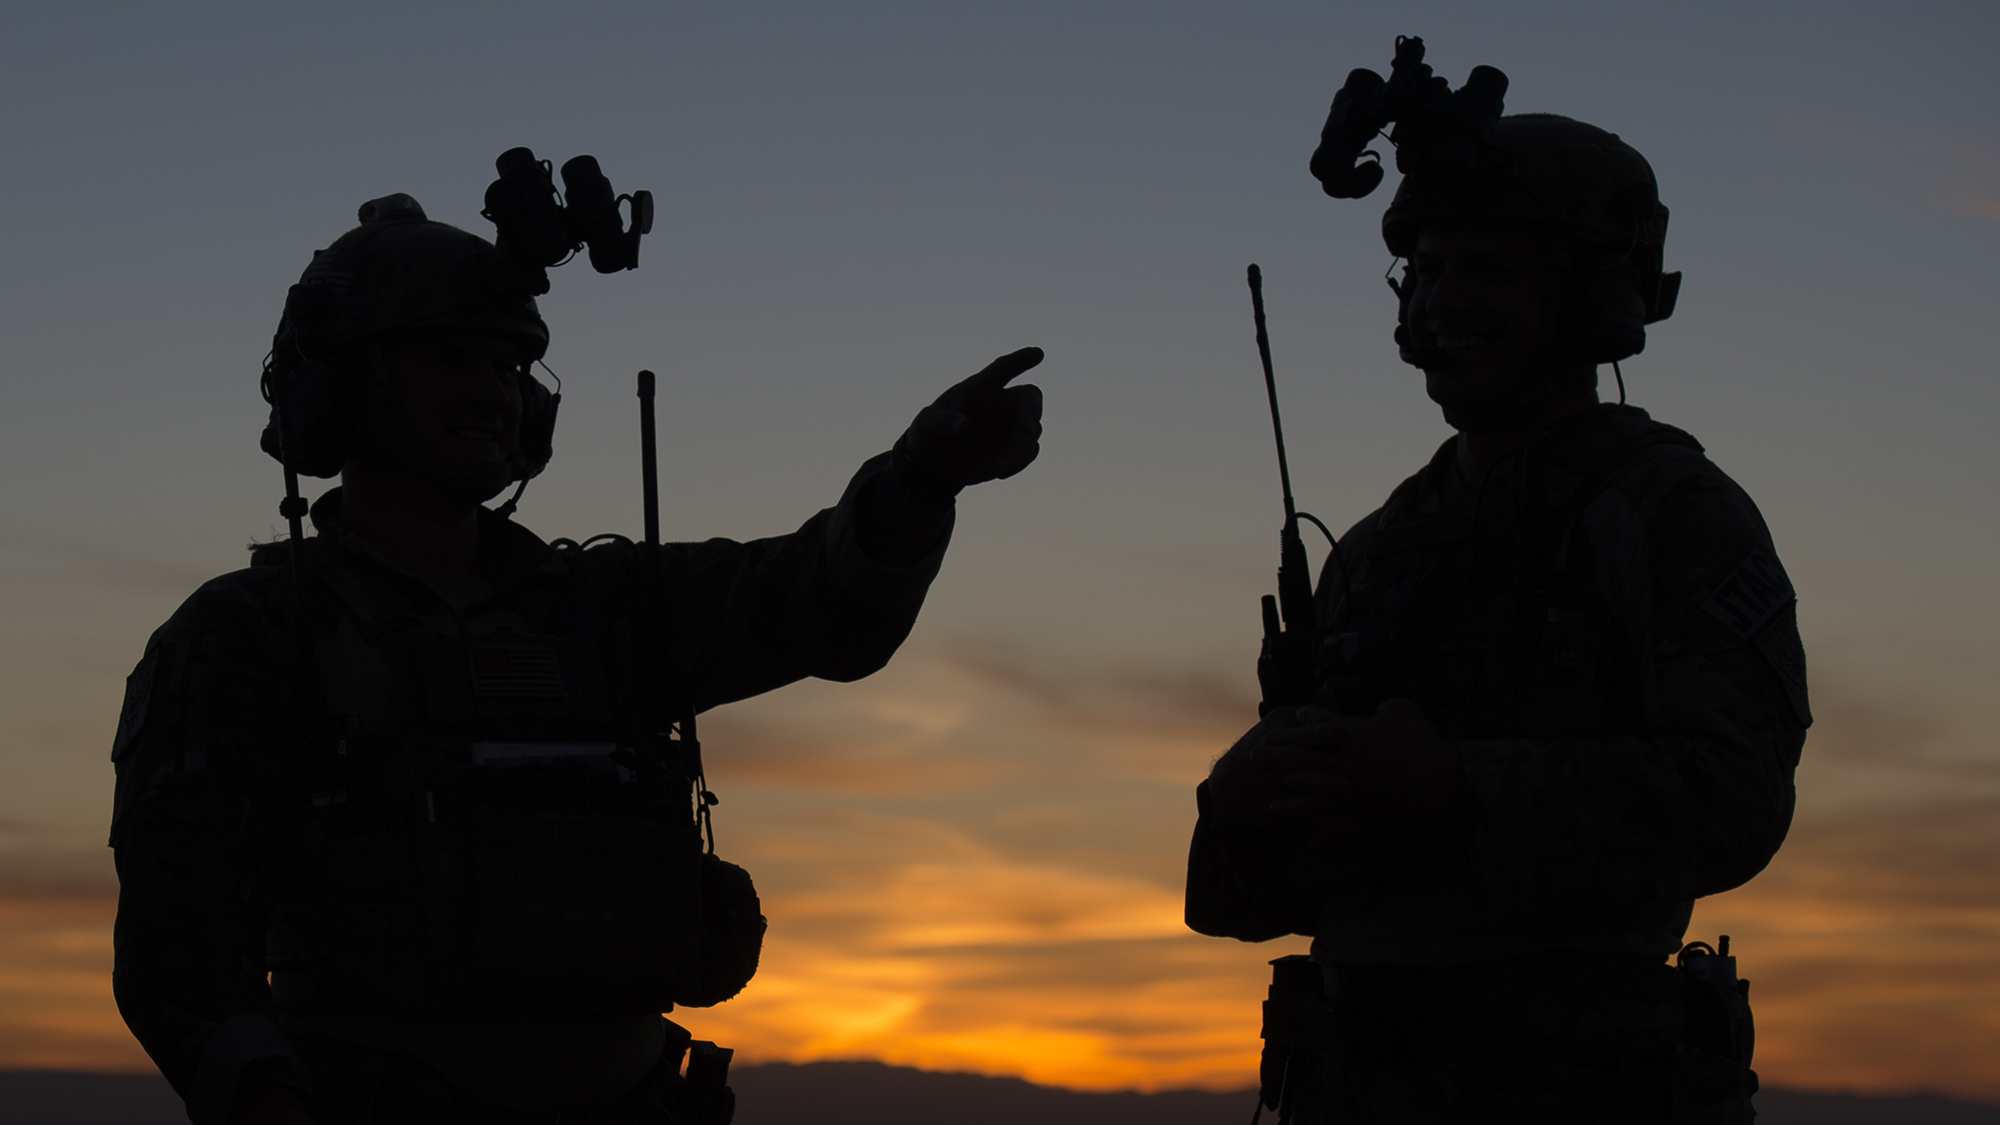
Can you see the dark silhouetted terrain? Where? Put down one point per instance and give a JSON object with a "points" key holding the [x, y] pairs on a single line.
{"points": [[853, 1093]]}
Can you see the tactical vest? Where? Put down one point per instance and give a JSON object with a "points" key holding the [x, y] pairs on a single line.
{"points": [[479, 830], [1489, 616]]}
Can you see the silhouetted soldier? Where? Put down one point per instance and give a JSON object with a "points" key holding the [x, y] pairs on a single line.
{"points": [[1556, 695], [473, 888]]}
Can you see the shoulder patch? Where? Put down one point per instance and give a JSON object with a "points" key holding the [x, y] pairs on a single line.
{"points": [[138, 696], [1752, 594]]}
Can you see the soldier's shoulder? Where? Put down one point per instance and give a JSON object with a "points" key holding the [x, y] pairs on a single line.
{"points": [[603, 564], [1660, 466], [1711, 553], [1664, 494], [1606, 444], [252, 583], [239, 598], [1356, 538], [1650, 476]]}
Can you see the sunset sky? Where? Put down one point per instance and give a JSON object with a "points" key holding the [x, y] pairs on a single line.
{"points": [[972, 860]]}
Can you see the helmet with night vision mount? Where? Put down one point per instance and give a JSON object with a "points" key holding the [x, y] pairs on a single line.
{"points": [[400, 272], [1462, 161]]}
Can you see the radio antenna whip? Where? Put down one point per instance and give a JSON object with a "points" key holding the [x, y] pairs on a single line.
{"points": [[1285, 667], [1271, 391], [652, 666]]}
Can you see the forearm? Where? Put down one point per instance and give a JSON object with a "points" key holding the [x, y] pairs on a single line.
{"points": [[901, 516], [187, 975], [1544, 826], [207, 1061], [854, 599], [745, 618], [1576, 820]]}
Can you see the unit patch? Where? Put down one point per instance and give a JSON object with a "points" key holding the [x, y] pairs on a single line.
{"points": [[1757, 603], [1752, 594], [138, 698]]}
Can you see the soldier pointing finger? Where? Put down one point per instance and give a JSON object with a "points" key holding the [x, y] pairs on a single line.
{"points": [[397, 835]]}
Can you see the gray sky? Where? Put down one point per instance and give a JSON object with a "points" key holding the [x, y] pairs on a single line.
{"points": [[858, 204]]}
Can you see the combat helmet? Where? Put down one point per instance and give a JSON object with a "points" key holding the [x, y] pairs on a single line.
{"points": [[399, 271], [1462, 160]]}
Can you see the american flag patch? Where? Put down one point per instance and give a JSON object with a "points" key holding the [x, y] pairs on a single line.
{"points": [[516, 671]]}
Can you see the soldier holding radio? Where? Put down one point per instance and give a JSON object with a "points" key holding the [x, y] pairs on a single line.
{"points": [[1546, 696]]}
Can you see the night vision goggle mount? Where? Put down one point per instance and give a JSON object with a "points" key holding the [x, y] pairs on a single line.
{"points": [[537, 227], [1436, 127]]}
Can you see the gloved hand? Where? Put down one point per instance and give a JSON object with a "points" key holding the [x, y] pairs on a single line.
{"points": [[1306, 764], [977, 431]]}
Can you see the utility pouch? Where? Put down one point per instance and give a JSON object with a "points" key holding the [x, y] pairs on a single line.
{"points": [[708, 1098], [1713, 1083], [698, 1095], [1298, 1040], [732, 932]]}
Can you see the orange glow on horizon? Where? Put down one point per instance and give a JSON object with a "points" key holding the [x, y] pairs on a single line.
{"points": [[969, 870]]}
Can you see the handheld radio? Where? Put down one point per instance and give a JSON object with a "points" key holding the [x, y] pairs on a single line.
{"points": [[1286, 665]]}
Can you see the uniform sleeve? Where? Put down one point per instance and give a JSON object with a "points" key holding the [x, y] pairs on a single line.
{"points": [[833, 600], [188, 975], [1701, 801], [1245, 882]]}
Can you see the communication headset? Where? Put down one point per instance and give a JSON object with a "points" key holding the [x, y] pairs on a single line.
{"points": [[400, 271], [1461, 159]]}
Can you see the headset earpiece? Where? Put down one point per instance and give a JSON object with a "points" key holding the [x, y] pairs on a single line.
{"points": [[398, 271], [538, 426], [317, 407], [1665, 297], [1403, 288]]}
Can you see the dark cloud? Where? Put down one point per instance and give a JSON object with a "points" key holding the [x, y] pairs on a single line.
{"points": [[1897, 721], [52, 875], [851, 756], [980, 716], [1174, 694], [56, 1010], [1936, 853]]}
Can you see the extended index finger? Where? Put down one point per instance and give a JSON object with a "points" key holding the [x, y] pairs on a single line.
{"points": [[1004, 370]]}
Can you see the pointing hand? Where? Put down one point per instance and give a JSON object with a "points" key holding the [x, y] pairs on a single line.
{"points": [[979, 430]]}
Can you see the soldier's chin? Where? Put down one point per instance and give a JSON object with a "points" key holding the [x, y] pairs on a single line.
{"points": [[476, 482], [1457, 387], [1471, 399]]}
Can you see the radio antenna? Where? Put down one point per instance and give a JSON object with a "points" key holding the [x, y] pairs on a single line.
{"points": [[659, 727], [1285, 668], [1271, 392]]}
